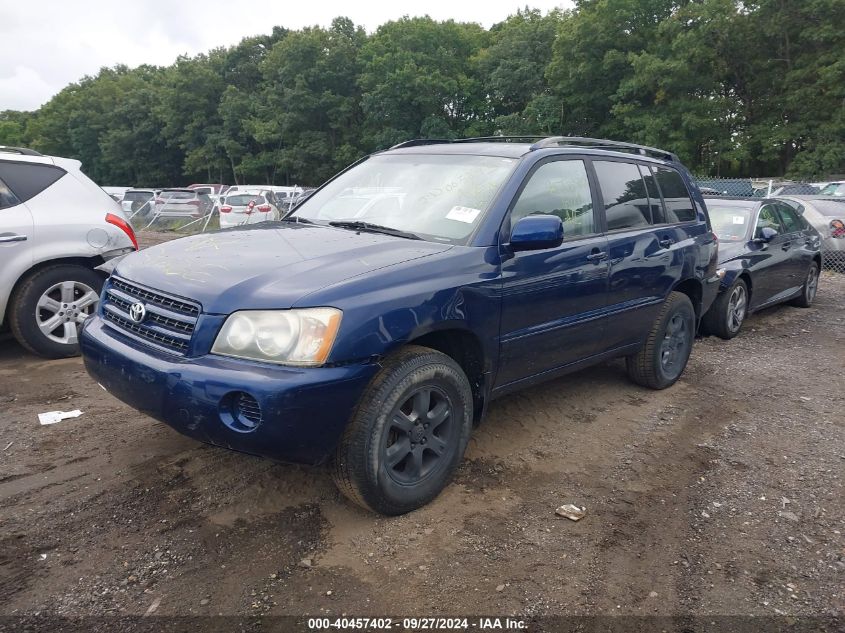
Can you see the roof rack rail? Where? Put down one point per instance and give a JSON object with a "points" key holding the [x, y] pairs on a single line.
{"points": [[421, 141], [19, 150], [583, 141], [498, 139], [476, 139]]}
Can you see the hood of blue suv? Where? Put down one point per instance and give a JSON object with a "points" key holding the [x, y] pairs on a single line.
{"points": [[267, 266]]}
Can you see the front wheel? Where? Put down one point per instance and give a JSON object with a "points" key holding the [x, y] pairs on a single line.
{"points": [[809, 289], [663, 357], [48, 308], [408, 434]]}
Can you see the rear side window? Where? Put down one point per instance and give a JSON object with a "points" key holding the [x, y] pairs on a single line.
{"points": [[626, 203], [657, 215], [676, 197], [27, 180], [559, 188], [791, 223], [7, 198]]}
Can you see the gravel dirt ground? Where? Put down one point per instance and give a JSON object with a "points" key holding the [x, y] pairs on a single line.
{"points": [[720, 496]]}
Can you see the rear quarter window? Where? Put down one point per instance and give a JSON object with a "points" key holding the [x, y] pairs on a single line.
{"points": [[27, 180]]}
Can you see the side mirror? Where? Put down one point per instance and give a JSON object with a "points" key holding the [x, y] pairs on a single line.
{"points": [[765, 235], [537, 232]]}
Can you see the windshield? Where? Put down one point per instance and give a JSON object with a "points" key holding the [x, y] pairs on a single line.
{"points": [[730, 223], [438, 197], [834, 189]]}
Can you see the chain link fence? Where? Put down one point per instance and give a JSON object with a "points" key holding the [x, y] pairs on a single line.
{"points": [[826, 213]]}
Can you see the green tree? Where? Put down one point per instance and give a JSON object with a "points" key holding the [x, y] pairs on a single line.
{"points": [[513, 68], [308, 115], [420, 78]]}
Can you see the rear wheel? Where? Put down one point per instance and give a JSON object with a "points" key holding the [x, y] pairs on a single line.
{"points": [[663, 357], [728, 312], [810, 288], [408, 434], [48, 308]]}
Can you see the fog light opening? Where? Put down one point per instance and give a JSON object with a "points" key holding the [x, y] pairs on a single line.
{"points": [[240, 412]]}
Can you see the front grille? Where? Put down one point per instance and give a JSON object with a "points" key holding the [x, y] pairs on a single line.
{"points": [[183, 307], [169, 322], [248, 407]]}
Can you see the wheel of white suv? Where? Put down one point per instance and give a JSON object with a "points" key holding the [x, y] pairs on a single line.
{"points": [[663, 357], [49, 306], [408, 434]]}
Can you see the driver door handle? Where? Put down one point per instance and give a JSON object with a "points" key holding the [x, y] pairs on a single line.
{"points": [[4, 239], [596, 255], [786, 246], [666, 242]]}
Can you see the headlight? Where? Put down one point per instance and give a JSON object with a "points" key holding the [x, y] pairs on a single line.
{"points": [[286, 337]]}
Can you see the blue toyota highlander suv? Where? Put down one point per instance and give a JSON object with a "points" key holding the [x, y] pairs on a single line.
{"points": [[373, 326]]}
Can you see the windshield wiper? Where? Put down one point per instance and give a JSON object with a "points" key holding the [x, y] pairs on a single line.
{"points": [[357, 225]]}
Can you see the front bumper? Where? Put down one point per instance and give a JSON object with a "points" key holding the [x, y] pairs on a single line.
{"points": [[304, 410]]}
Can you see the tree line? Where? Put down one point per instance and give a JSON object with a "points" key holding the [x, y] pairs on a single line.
{"points": [[745, 88]]}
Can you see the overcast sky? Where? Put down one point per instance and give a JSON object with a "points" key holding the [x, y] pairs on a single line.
{"points": [[47, 44]]}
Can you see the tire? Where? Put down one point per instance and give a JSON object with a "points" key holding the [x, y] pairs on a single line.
{"points": [[664, 355], [396, 481], [64, 294], [727, 314], [809, 289]]}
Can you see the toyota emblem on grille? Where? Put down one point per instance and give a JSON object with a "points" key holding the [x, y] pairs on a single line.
{"points": [[137, 312]]}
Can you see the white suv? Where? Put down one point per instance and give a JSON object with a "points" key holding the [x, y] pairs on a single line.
{"points": [[56, 227]]}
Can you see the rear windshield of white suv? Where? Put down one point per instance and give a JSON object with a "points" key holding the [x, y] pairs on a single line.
{"points": [[137, 196], [243, 200]]}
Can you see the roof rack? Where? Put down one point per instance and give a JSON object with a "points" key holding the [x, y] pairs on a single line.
{"points": [[583, 141], [541, 142], [19, 150], [476, 139]]}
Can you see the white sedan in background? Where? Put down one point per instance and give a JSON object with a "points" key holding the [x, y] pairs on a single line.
{"points": [[827, 215], [246, 208]]}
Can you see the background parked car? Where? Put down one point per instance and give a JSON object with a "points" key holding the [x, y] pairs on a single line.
{"points": [[182, 203], [116, 193], [139, 202], [827, 216], [833, 189], [208, 189], [247, 208], [786, 189], [56, 226], [768, 254]]}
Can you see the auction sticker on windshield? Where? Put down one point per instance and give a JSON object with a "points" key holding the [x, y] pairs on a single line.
{"points": [[463, 214]]}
